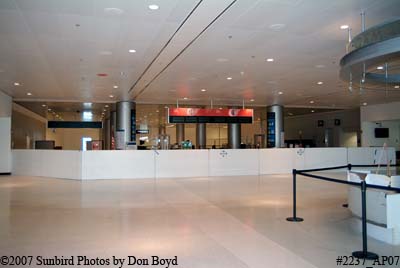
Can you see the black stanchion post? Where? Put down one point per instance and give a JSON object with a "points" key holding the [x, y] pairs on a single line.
{"points": [[349, 167], [294, 218], [364, 254]]}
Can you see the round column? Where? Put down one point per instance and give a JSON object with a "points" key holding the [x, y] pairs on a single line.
{"points": [[180, 133], [113, 129], [126, 120], [275, 131], [234, 135], [201, 135]]}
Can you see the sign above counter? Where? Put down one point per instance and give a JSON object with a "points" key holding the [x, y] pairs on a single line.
{"points": [[200, 115]]}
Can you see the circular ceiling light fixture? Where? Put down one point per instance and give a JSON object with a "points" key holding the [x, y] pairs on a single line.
{"points": [[311, 101], [29, 94], [252, 100], [280, 92], [229, 78], [111, 96], [106, 105], [312, 111], [344, 27], [154, 7], [115, 86], [16, 84], [203, 90], [270, 60], [132, 51], [185, 98], [44, 105], [379, 68], [365, 104], [396, 86], [320, 82]]}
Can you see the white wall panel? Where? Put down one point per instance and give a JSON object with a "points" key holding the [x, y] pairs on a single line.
{"points": [[47, 163], [277, 161], [325, 157], [129, 164], [233, 162], [181, 163]]}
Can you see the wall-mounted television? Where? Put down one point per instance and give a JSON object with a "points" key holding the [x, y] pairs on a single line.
{"points": [[381, 132]]}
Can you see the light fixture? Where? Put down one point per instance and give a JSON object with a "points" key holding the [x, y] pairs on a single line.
{"points": [[312, 102], [115, 86], [185, 98], [280, 92], [203, 90], [220, 108], [320, 82], [87, 115], [397, 86], [111, 96], [87, 104], [43, 105], [290, 114], [379, 68], [229, 78], [312, 111], [132, 51], [29, 94], [16, 84], [49, 110], [106, 105], [252, 100], [157, 111], [365, 104], [270, 59], [154, 7], [344, 27], [104, 110]]}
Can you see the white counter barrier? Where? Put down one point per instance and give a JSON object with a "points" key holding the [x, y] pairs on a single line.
{"points": [[132, 164]]}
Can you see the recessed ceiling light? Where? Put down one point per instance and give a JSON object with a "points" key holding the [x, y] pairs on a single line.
{"points": [[43, 105], [185, 98], [16, 84], [229, 78], [115, 86], [132, 51], [104, 110], [277, 26], [29, 94], [320, 82], [106, 106], [365, 104], [252, 100], [87, 104], [379, 68], [280, 92], [270, 60], [113, 11], [49, 110], [203, 90], [157, 111], [111, 96], [344, 27], [290, 113], [220, 108], [312, 102], [312, 111], [397, 86], [154, 7]]}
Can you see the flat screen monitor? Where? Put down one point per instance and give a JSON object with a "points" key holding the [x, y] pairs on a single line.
{"points": [[381, 132]]}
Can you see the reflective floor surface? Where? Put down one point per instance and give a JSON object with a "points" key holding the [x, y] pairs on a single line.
{"points": [[206, 222]]}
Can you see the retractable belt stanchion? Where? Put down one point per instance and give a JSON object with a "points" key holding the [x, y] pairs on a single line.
{"points": [[294, 218], [346, 205], [364, 254]]}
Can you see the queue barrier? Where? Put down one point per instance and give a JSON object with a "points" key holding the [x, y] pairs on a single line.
{"points": [[361, 254]]}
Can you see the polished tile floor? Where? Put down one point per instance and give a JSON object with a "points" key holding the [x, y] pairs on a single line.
{"points": [[206, 222]]}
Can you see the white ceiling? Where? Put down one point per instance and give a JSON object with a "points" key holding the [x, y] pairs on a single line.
{"points": [[183, 47]]}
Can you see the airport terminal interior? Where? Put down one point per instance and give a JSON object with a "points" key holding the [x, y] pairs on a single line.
{"points": [[200, 133]]}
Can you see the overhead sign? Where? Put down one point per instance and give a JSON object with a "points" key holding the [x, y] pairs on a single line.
{"points": [[199, 115]]}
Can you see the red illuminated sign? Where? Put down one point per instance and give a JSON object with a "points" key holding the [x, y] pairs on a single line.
{"points": [[199, 115]]}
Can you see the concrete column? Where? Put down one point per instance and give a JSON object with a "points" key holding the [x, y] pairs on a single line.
{"points": [[275, 116], [201, 136], [180, 133], [234, 135], [125, 113]]}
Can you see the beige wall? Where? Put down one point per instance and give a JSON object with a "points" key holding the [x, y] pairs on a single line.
{"points": [[71, 138]]}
